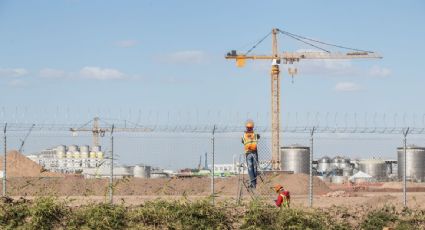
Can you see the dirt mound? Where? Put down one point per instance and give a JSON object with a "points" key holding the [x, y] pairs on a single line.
{"points": [[18, 165], [68, 186]]}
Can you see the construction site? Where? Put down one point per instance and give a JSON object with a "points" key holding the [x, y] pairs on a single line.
{"points": [[194, 124]]}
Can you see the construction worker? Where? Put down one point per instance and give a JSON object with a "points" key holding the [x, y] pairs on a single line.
{"points": [[250, 140], [283, 199]]}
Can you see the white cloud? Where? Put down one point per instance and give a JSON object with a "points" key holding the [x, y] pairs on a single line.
{"points": [[185, 57], [94, 72], [126, 43], [52, 73], [17, 83], [377, 71], [13, 72], [347, 87]]}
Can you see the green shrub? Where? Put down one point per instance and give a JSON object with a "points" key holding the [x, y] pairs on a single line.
{"points": [[263, 216], [259, 216], [47, 213], [98, 216], [377, 219], [13, 213], [180, 215]]}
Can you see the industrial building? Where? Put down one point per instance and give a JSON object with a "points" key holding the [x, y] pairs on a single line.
{"points": [[296, 158], [69, 159], [89, 162]]}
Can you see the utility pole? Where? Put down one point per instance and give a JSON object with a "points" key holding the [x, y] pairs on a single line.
{"points": [[212, 166], [4, 160], [310, 182], [111, 179], [405, 132]]}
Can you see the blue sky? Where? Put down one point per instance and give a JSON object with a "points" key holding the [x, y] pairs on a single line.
{"points": [[166, 56]]}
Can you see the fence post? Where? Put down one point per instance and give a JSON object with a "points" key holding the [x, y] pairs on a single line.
{"points": [[4, 159], [111, 179], [213, 164], [310, 182], [405, 132]]}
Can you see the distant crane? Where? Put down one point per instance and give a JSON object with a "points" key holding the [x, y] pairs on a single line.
{"points": [[21, 148], [289, 58], [99, 131]]}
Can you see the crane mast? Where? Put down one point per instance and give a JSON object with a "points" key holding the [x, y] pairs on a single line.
{"points": [[289, 58]]}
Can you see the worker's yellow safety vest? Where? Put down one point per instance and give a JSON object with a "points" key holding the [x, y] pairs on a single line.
{"points": [[250, 142]]}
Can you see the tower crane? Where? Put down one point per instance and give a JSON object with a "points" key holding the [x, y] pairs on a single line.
{"points": [[289, 58], [99, 131]]}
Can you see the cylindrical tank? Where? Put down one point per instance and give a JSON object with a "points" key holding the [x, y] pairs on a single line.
{"points": [[337, 162], [69, 154], [72, 148], [323, 164], [348, 171], [61, 148], [60, 154], [345, 163], [295, 158], [339, 179], [96, 148], [142, 171], [374, 167], [415, 163], [99, 155], [84, 148], [92, 154], [77, 155]]}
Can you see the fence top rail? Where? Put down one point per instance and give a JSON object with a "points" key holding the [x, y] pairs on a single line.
{"points": [[188, 128]]}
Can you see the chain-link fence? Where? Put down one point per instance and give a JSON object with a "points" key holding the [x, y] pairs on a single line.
{"points": [[81, 170]]}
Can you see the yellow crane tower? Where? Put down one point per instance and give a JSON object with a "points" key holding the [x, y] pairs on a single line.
{"points": [[289, 58]]}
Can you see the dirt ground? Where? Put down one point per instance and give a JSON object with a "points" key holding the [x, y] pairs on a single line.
{"points": [[27, 179]]}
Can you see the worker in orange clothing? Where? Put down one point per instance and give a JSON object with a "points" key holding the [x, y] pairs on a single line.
{"points": [[283, 199], [250, 140]]}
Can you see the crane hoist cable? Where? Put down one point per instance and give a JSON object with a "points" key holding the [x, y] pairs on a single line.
{"points": [[323, 43]]}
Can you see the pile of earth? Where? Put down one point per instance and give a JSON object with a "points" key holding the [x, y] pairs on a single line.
{"points": [[18, 165]]}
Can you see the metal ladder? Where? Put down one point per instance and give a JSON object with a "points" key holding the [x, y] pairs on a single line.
{"points": [[243, 183]]}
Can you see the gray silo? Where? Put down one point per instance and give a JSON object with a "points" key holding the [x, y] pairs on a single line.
{"points": [[374, 167], [142, 171], [295, 158], [324, 164], [415, 162]]}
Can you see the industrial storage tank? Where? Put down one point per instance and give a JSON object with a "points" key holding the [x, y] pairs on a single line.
{"points": [[295, 158], [323, 164], [348, 171], [84, 150], [61, 148], [142, 171], [69, 154], [99, 155], [96, 148], [415, 163], [339, 162], [374, 167], [72, 148]]}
